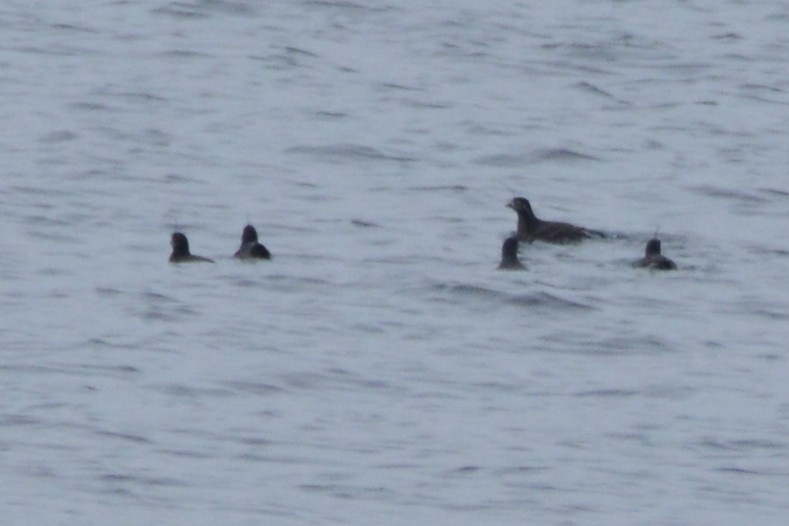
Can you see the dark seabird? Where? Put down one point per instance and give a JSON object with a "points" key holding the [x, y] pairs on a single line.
{"points": [[653, 259], [181, 250], [509, 255], [250, 248], [530, 227]]}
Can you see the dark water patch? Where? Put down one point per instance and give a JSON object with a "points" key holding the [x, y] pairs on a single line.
{"points": [[351, 6], [765, 99], [182, 453], [439, 188], [57, 51], [183, 54], [364, 224], [347, 153], [775, 192], [728, 37], [157, 297], [544, 300], [727, 193], [608, 393], [399, 87], [281, 61], [126, 437], [118, 370], [744, 471], [181, 10], [157, 313], [17, 420], [463, 290], [136, 96], [92, 106], [244, 282], [368, 328], [507, 160], [117, 478], [108, 292], [254, 441], [633, 344], [38, 191], [594, 90], [562, 154], [769, 250], [187, 391], [335, 379], [426, 105], [154, 137], [299, 51], [330, 115], [602, 51], [341, 491], [761, 87], [177, 179], [522, 470], [287, 283], [71, 28], [79, 371], [742, 445], [59, 136], [770, 314], [576, 342], [475, 128], [254, 388], [463, 471]]}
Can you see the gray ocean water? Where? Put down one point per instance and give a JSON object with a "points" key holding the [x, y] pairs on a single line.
{"points": [[380, 370]]}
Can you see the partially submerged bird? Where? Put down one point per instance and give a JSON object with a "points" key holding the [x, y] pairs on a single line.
{"points": [[250, 248], [530, 227], [509, 255], [653, 259], [181, 252]]}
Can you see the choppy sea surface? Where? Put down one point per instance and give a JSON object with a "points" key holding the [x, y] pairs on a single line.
{"points": [[380, 370]]}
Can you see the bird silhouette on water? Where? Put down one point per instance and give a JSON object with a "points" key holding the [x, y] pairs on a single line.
{"points": [[509, 255], [250, 247], [181, 253], [653, 259], [531, 228]]}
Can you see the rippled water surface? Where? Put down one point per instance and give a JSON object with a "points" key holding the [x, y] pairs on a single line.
{"points": [[380, 370]]}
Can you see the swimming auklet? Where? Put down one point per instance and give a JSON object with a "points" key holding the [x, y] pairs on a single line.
{"points": [[509, 255], [530, 227], [653, 259], [181, 250], [250, 248]]}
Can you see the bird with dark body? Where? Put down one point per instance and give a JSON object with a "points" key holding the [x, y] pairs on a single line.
{"points": [[653, 259], [250, 248], [531, 228], [509, 255], [181, 253]]}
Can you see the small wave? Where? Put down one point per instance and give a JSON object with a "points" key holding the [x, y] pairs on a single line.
{"points": [[349, 152], [543, 299], [727, 193], [614, 393], [253, 388], [591, 88], [179, 10], [205, 8], [59, 136], [469, 291], [363, 223], [440, 188], [534, 157]]}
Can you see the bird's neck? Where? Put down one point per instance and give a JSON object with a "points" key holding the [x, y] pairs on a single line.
{"points": [[527, 220]]}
